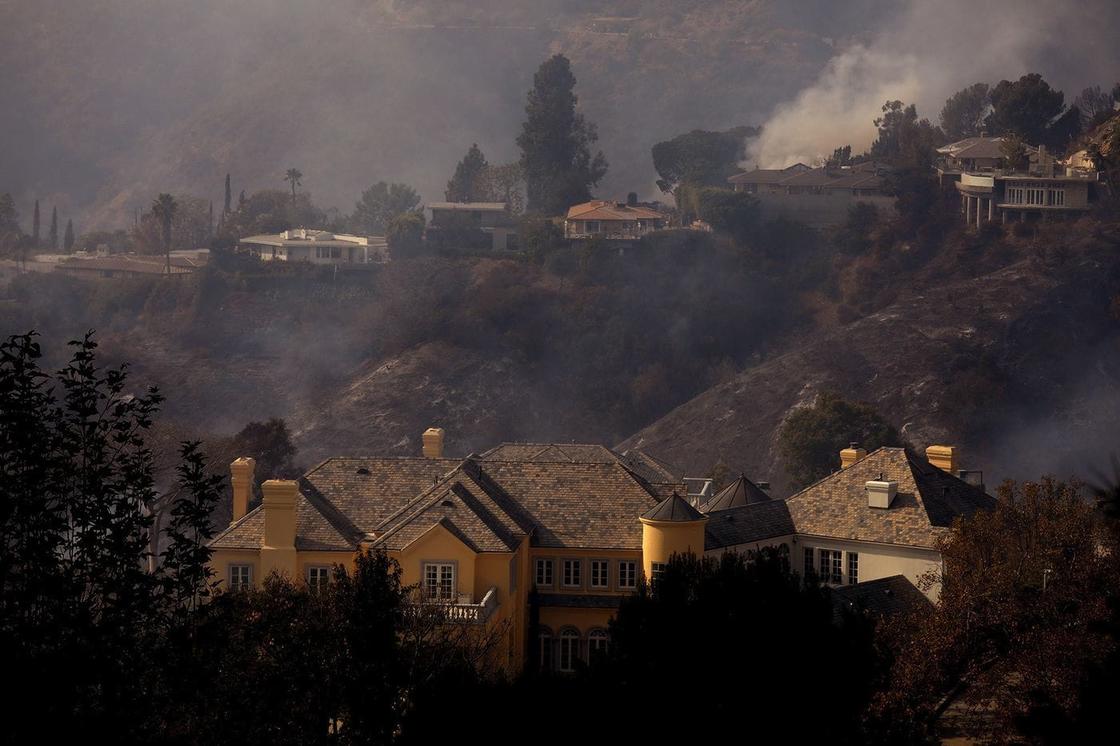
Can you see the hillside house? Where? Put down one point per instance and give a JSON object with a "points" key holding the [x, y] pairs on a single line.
{"points": [[317, 247], [612, 220], [581, 525], [492, 218], [1045, 189], [117, 266], [818, 197]]}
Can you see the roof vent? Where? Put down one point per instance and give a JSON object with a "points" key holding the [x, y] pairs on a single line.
{"points": [[363, 471], [881, 494], [447, 504], [764, 486]]}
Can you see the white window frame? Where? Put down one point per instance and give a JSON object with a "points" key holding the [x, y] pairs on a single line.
{"points": [[810, 563], [656, 570], [318, 576], [571, 568], [545, 642], [600, 574], [237, 584], [598, 642], [547, 566], [853, 568], [569, 650], [446, 585], [627, 574], [831, 565]]}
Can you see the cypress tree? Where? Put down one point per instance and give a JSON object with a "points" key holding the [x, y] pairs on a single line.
{"points": [[556, 142], [52, 236], [229, 195], [35, 226], [68, 237], [210, 223]]}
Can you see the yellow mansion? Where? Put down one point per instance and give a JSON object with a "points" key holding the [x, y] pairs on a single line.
{"points": [[582, 525]]}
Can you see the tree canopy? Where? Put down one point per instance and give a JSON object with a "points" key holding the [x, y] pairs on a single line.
{"points": [[555, 141], [380, 204], [470, 182], [811, 439], [1025, 107], [700, 157], [964, 112]]}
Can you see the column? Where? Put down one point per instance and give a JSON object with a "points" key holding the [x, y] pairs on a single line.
{"points": [[991, 209], [967, 209], [978, 204]]}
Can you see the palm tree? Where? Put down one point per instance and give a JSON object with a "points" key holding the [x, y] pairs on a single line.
{"points": [[293, 176], [164, 208]]}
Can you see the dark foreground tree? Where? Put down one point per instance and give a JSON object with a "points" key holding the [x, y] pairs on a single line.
{"points": [[1024, 604], [556, 142], [812, 437], [80, 612], [1024, 107]]}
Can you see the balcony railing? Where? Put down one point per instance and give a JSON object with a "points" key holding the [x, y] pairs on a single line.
{"points": [[453, 611]]}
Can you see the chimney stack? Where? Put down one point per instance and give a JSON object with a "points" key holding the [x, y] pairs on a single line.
{"points": [[851, 454], [278, 553], [880, 494], [943, 457], [433, 442], [241, 479]]}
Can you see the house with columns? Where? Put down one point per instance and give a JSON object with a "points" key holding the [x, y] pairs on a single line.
{"points": [[541, 542], [991, 191]]}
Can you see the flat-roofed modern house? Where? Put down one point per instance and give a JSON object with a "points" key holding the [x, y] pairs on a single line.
{"points": [[492, 218], [317, 247], [602, 218], [543, 541]]}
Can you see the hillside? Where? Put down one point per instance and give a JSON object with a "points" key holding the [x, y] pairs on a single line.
{"points": [[121, 99], [1019, 366]]}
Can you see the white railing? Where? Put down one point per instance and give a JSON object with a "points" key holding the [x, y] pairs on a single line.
{"points": [[461, 612]]}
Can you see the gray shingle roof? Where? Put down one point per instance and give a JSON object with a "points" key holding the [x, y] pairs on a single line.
{"points": [[673, 508], [928, 500], [882, 597], [314, 532], [748, 524], [735, 495]]}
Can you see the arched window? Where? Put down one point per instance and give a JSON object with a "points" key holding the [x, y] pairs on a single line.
{"points": [[597, 642], [569, 649], [544, 639]]}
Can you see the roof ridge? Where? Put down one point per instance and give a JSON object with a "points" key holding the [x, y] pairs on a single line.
{"points": [[234, 524], [338, 520], [404, 508]]}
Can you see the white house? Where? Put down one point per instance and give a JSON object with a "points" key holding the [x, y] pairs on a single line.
{"points": [[317, 247]]}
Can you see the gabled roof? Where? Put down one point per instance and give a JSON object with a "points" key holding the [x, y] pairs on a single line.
{"points": [[601, 209], [882, 597], [314, 531], [748, 524], [767, 175], [673, 508], [469, 505], [927, 502], [735, 495]]}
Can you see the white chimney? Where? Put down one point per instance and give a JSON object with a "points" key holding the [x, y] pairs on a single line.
{"points": [[881, 494]]}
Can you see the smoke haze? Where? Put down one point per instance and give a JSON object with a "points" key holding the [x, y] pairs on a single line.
{"points": [[929, 51]]}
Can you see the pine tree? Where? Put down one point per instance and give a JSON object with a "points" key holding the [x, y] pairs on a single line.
{"points": [[52, 236], [470, 181], [68, 237], [229, 196], [556, 142], [35, 226]]}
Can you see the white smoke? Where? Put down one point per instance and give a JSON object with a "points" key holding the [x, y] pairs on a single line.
{"points": [[931, 50]]}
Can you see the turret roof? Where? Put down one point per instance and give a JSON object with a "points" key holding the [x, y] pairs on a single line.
{"points": [[673, 508]]}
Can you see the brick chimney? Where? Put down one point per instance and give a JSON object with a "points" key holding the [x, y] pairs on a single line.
{"points": [[943, 457], [278, 551], [433, 442], [241, 479], [851, 454]]}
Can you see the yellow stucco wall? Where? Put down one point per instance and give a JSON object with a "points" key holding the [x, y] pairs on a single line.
{"points": [[662, 539]]}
